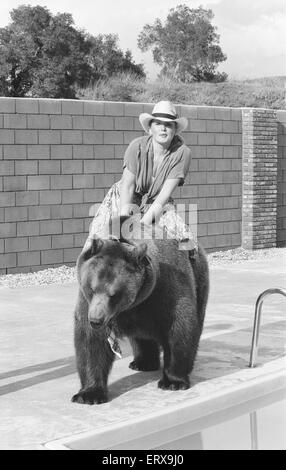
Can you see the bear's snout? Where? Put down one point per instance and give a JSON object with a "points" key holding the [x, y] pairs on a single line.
{"points": [[99, 312], [95, 325]]}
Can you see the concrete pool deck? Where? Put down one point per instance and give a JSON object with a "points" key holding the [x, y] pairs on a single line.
{"points": [[37, 369]]}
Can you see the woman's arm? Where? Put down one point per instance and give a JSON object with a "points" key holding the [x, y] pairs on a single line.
{"points": [[126, 191], [156, 208]]}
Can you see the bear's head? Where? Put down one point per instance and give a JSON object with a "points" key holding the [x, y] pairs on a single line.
{"points": [[110, 274]]}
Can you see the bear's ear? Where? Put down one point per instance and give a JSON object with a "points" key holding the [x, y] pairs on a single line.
{"points": [[141, 251], [96, 246]]}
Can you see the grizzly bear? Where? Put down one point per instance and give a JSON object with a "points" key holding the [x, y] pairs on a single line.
{"points": [[149, 291]]}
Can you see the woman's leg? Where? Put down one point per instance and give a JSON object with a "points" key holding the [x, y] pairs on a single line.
{"points": [[110, 207], [176, 228]]}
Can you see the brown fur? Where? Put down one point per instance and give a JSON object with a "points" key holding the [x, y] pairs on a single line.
{"points": [[150, 292]]}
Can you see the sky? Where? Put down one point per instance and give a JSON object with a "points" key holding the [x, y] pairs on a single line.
{"points": [[252, 32]]}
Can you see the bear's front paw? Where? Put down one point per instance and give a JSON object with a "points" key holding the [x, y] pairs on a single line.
{"points": [[90, 396], [175, 384], [144, 365]]}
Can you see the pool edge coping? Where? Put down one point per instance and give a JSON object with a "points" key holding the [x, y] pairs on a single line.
{"points": [[228, 391]]}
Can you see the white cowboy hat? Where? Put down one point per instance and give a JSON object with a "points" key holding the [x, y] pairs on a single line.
{"points": [[163, 111]]}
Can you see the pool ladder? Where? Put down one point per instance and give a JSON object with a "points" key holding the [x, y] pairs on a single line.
{"points": [[256, 326]]}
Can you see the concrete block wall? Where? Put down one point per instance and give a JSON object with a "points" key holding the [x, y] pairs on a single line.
{"points": [[214, 181], [59, 157], [281, 180]]}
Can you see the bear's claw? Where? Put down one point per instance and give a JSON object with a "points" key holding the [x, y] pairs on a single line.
{"points": [[90, 397], [144, 365], [179, 384]]}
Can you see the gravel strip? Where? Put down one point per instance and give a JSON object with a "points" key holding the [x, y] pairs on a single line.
{"points": [[239, 255], [66, 275], [61, 275]]}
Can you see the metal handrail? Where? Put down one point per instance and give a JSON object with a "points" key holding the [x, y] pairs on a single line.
{"points": [[256, 326]]}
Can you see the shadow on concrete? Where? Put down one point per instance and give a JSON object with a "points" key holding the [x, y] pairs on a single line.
{"points": [[126, 384], [65, 366], [37, 367], [231, 355]]}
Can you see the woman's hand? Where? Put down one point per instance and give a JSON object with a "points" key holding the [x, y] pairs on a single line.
{"points": [[154, 212]]}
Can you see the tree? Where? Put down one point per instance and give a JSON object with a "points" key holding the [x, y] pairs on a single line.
{"points": [[44, 55], [41, 54], [186, 46], [106, 59]]}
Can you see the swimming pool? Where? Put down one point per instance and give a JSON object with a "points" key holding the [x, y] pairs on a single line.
{"points": [[243, 410], [256, 425]]}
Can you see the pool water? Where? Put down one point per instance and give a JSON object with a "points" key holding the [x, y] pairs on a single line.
{"points": [[262, 428]]}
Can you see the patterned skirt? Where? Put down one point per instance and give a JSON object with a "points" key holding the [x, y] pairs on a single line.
{"points": [[169, 220]]}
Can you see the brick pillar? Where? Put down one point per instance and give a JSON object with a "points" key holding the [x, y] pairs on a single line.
{"points": [[259, 178]]}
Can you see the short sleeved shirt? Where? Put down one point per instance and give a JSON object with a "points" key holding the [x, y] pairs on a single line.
{"points": [[139, 158]]}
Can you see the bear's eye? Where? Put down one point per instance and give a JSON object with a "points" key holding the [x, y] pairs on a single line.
{"points": [[115, 298], [131, 269]]}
